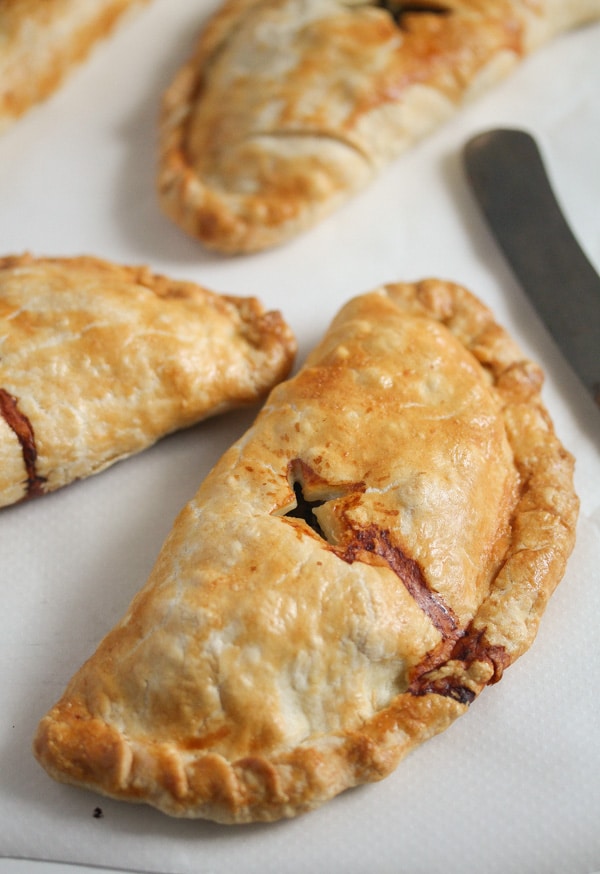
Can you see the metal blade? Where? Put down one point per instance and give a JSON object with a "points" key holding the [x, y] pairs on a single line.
{"points": [[508, 177]]}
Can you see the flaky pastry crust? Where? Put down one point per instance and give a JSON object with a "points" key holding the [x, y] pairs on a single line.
{"points": [[288, 107], [278, 655], [98, 361], [41, 41]]}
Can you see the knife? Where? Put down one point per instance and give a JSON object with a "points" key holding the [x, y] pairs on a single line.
{"points": [[507, 174]]}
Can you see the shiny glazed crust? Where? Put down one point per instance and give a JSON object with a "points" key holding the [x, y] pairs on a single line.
{"points": [[42, 40], [98, 361], [277, 656], [288, 107]]}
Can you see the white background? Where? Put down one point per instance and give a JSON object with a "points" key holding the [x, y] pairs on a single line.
{"points": [[512, 787]]}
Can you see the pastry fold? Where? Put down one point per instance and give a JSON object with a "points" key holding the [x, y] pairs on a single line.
{"points": [[98, 361], [41, 41], [374, 551], [289, 107]]}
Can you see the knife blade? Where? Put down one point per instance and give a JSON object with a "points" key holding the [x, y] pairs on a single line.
{"points": [[508, 177]]}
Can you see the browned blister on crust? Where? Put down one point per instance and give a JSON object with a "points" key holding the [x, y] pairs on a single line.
{"points": [[98, 361], [288, 107], [41, 41], [374, 551]]}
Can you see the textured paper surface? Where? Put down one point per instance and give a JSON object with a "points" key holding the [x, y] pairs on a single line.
{"points": [[513, 786]]}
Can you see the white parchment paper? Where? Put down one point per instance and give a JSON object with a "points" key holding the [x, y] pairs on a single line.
{"points": [[512, 787]]}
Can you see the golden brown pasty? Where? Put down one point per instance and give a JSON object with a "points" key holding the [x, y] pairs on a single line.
{"points": [[42, 40], [98, 361], [288, 107], [377, 548]]}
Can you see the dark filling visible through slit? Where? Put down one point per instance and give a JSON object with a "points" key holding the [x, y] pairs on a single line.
{"points": [[304, 510], [23, 430], [398, 10]]}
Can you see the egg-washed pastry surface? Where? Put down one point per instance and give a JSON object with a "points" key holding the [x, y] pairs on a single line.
{"points": [[375, 550], [288, 107], [42, 40], [99, 360]]}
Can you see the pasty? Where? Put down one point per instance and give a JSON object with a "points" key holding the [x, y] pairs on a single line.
{"points": [[288, 107], [98, 361], [42, 40], [375, 550]]}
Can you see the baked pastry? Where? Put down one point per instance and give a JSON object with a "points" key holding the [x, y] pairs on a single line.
{"points": [[97, 361], [287, 108], [376, 549], [42, 40]]}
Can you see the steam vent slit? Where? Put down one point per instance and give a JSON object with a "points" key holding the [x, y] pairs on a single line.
{"points": [[304, 510]]}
